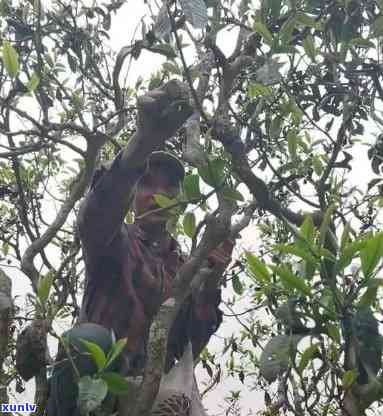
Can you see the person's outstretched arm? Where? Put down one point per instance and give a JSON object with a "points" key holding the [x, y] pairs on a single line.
{"points": [[160, 113], [199, 316]]}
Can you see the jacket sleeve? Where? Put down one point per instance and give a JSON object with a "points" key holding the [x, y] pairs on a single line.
{"points": [[198, 319], [105, 206]]}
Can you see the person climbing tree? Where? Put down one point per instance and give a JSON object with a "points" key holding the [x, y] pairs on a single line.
{"points": [[130, 267]]}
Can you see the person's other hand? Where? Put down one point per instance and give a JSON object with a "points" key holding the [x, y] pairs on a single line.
{"points": [[222, 254], [162, 111]]}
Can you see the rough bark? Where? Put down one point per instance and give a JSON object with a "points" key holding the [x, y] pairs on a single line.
{"points": [[5, 323]]}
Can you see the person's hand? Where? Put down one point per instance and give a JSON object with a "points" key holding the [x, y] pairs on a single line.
{"points": [[163, 110], [222, 254]]}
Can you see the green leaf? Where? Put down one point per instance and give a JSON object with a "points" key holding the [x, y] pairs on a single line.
{"points": [[291, 281], [275, 8], [4, 8], [292, 141], [10, 59], [117, 384], [5, 248], [237, 285], [349, 378], [44, 287], [77, 100], [115, 351], [275, 127], [164, 49], [306, 20], [72, 62], [172, 68], [171, 227], [163, 201], [368, 298], [371, 254], [129, 217], [191, 187], [277, 355], [96, 352], [317, 165], [258, 90], [362, 43], [306, 232], [232, 194], [33, 82], [299, 251], [260, 28], [91, 393], [213, 172], [189, 224], [195, 12], [309, 270], [377, 282], [327, 254], [373, 182], [309, 47], [333, 332], [296, 113], [287, 29], [348, 253], [324, 227], [307, 356], [378, 26], [257, 268], [345, 238]]}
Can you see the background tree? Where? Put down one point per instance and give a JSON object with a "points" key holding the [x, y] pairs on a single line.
{"points": [[290, 118]]}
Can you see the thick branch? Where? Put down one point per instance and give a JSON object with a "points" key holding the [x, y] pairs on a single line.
{"points": [[84, 178], [19, 151], [157, 346], [5, 321], [191, 274], [118, 96]]}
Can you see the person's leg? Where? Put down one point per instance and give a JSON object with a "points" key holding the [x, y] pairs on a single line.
{"points": [[63, 392]]}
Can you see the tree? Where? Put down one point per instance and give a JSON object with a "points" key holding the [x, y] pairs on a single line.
{"points": [[289, 115]]}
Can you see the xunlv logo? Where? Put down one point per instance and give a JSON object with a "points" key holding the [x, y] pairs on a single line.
{"points": [[17, 407]]}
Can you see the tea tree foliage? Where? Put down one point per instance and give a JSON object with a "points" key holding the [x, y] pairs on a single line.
{"points": [[286, 138]]}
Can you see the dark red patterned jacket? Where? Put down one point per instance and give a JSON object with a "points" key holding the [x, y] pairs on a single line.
{"points": [[127, 278]]}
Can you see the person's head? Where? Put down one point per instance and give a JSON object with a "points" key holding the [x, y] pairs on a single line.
{"points": [[164, 175]]}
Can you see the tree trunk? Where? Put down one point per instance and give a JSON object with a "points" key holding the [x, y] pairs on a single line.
{"points": [[5, 324]]}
